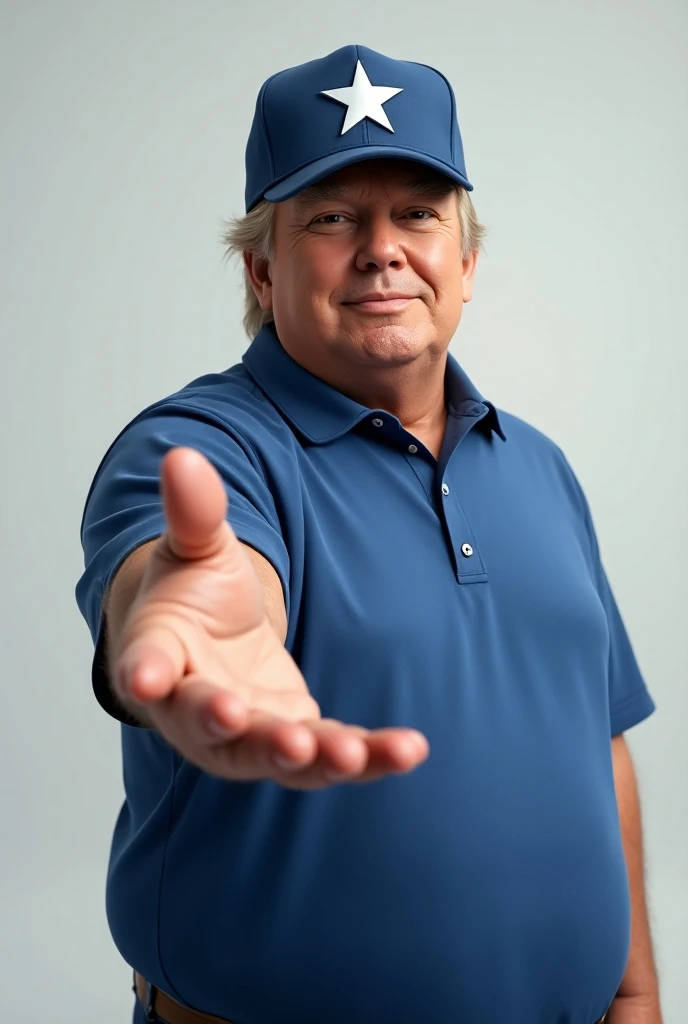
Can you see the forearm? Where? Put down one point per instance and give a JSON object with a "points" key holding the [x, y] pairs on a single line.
{"points": [[118, 601], [637, 1000]]}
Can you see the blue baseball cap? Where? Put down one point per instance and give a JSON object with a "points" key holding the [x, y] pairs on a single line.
{"points": [[354, 104]]}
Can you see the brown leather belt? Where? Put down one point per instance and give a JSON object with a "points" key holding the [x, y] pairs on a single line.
{"points": [[163, 1007], [158, 1005]]}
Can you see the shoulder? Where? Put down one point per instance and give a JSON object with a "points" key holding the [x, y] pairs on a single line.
{"points": [[524, 433], [231, 399], [224, 415], [527, 437], [530, 450], [216, 408]]}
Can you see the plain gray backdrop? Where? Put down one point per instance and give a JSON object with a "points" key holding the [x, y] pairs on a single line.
{"points": [[122, 129]]}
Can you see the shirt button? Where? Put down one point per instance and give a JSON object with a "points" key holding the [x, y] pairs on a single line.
{"points": [[377, 423], [413, 448], [466, 550], [445, 489]]}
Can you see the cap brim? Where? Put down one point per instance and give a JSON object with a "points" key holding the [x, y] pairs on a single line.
{"points": [[308, 175]]}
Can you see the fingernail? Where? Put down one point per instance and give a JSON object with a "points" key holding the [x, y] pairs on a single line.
{"points": [[420, 741], [285, 763], [218, 729]]}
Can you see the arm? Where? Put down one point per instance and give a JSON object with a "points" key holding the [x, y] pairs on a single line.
{"points": [[637, 1001], [198, 650], [125, 585]]}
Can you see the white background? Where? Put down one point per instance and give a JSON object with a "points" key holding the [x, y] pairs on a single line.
{"points": [[122, 135]]}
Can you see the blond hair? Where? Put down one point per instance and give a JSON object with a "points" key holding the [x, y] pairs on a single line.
{"points": [[254, 233]]}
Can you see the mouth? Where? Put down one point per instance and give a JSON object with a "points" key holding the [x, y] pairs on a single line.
{"points": [[381, 303]]}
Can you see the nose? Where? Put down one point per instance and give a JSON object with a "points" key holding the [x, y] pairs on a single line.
{"points": [[380, 246]]}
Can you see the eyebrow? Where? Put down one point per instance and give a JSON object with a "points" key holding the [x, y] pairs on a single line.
{"points": [[322, 191]]}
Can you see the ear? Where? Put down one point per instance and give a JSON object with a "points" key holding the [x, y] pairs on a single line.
{"points": [[469, 265], [258, 271]]}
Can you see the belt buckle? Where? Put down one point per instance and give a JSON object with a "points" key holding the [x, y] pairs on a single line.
{"points": [[151, 1017], [149, 1009]]}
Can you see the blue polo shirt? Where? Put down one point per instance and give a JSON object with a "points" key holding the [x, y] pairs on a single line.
{"points": [[463, 597]]}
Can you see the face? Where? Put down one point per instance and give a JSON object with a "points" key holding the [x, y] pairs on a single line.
{"points": [[367, 269]]}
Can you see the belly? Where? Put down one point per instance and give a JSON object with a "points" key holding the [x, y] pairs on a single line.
{"points": [[457, 892]]}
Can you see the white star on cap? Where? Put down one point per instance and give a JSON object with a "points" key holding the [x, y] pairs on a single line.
{"points": [[363, 100]]}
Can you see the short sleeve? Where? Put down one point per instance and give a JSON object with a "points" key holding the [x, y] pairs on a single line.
{"points": [[124, 509], [629, 699]]}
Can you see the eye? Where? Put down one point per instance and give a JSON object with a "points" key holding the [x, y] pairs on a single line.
{"points": [[329, 218], [423, 214]]}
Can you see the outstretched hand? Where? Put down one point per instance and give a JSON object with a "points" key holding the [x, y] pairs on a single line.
{"points": [[199, 652]]}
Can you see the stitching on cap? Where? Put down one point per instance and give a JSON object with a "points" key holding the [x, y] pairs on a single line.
{"points": [[263, 122], [454, 118]]}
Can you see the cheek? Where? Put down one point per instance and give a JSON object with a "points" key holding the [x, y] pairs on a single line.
{"points": [[328, 268], [312, 276], [442, 269]]}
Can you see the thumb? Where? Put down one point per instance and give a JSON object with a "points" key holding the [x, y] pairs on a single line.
{"points": [[151, 664], [195, 504]]}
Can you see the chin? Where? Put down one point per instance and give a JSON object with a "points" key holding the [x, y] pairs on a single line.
{"points": [[391, 342]]}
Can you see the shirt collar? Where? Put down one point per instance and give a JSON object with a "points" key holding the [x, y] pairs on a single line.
{"points": [[322, 413]]}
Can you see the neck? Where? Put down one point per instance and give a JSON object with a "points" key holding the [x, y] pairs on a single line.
{"points": [[413, 391], [422, 410]]}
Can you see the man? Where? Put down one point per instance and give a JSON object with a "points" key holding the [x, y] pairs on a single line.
{"points": [[372, 677]]}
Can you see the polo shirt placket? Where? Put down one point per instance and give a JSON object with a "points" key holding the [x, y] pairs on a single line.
{"points": [[435, 476]]}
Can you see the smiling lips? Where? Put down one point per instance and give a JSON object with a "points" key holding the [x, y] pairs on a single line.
{"points": [[381, 302]]}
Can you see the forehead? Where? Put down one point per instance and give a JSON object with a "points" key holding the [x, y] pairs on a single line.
{"points": [[373, 176]]}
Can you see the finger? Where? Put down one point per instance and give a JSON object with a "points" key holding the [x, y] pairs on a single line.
{"points": [[150, 664], [342, 749], [386, 750], [195, 503], [199, 715], [395, 750], [351, 754], [270, 748]]}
